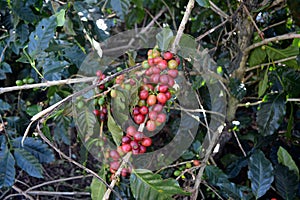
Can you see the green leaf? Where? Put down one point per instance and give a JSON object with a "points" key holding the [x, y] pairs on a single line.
{"points": [[28, 162], [36, 147], [34, 109], [7, 165], [291, 80], [257, 57], [164, 39], [40, 38], [260, 173], [98, 188], [203, 3], [4, 105], [277, 54], [270, 114], [60, 17], [286, 182], [115, 129], [263, 84], [146, 185], [121, 7], [286, 159], [85, 121]]}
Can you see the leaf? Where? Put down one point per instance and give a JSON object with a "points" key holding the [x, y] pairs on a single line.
{"points": [[60, 17], [98, 188], [286, 159], [115, 129], [121, 7], [263, 84], [291, 80], [270, 114], [146, 185], [34, 109], [164, 38], [22, 32], [85, 121], [36, 147], [28, 162], [4, 105], [7, 165], [260, 173], [277, 54], [203, 3], [286, 182], [257, 57], [40, 38]]}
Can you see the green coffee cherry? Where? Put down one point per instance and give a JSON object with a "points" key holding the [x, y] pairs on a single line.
{"points": [[30, 80], [80, 104], [177, 173], [19, 82]]}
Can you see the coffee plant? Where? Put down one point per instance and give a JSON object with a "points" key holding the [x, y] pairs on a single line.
{"points": [[132, 99]]}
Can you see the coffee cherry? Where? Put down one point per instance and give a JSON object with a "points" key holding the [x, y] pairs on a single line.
{"points": [[149, 53], [172, 64], [173, 73], [154, 78], [104, 110], [152, 115], [151, 126], [156, 70], [177, 173], [99, 73], [188, 165], [155, 53], [19, 82], [96, 112], [157, 108], [142, 149], [144, 110], [147, 142], [151, 100], [102, 117], [196, 162], [171, 82], [157, 60], [80, 104], [138, 136], [102, 87], [163, 64], [136, 111], [126, 140], [143, 94], [101, 101], [161, 117], [114, 155], [124, 172], [164, 79], [114, 165], [131, 130], [168, 95], [126, 148], [134, 144], [30, 80], [149, 72], [168, 55], [163, 88], [113, 93], [177, 60], [151, 61], [145, 64], [162, 98], [135, 151], [139, 119]]}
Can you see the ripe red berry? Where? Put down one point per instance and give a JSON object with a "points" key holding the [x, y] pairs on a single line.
{"points": [[151, 100], [134, 144], [99, 73], [177, 60], [139, 119], [168, 95], [124, 172], [144, 94], [171, 82], [114, 165], [157, 108], [126, 140], [163, 64], [173, 73], [152, 115], [131, 130], [163, 88], [151, 126], [157, 60], [102, 87], [144, 110], [164, 79], [161, 117], [196, 162], [136, 111], [154, 78], [96, 112], [156, 70], [135, 151], [142, 149], [114, 155], [161, 98], [104, 110], [102, 116], [149, 72], [168, 55], [126, 148], [138, 136], [151, 62], [147, 142]]}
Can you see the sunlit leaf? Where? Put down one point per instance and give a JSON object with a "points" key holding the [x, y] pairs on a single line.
{"points": [[286, 159], [164, 38], [203, 3], [98, 188], [257, 56]]}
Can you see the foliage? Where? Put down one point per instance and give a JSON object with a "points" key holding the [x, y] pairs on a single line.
{"points": [[46, 41]]}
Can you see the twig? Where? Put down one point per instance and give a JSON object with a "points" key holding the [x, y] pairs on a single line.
{"points": [[21, 192], [239, 143], [273, 25], [50, 193], [57, 181], [260, 33], [117, 174], [73, 161], [213, 190], [211, 30], [47, 84], [270, 63], [249, 104], [153, 17], [183, 22], [217, 10], [174, 165], [294, 100]]}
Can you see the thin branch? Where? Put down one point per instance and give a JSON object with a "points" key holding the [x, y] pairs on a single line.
{"points": [[217, 10], [21, 192], [260, 33], [153, 17], [47, 84], [211, 30], [73, 161], [294, 100], [239, 143], [183, 22], [273, 25], [270, 63]]}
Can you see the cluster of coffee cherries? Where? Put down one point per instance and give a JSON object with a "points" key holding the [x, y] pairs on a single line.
{"points": [[160, 72]]}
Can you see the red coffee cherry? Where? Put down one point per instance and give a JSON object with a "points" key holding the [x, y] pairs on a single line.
{"points": [[162, 98], [138, 136], [114, 155], [142, 149], [114, 165], [157, 108], [139, 119], [151, 126], [173, 73], [126, 140], [151, 100], [152, 115], [147, 142], [126, 148], [131, 130], [144, 94], [144, 110], [161, 117], [168, 55], [163, 88]]}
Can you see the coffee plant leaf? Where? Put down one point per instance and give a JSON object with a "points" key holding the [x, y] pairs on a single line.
{"points": [[286, 159], [121, 7], [98, 188], [164, 38], [257, 56], [277, 54], [115, 130]]}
